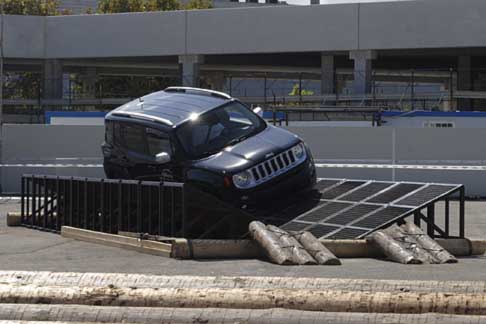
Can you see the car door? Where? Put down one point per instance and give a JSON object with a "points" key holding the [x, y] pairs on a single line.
{"points": [[141, 145]]}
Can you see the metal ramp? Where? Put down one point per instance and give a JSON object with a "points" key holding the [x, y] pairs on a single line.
{"points": [[351, 209]]}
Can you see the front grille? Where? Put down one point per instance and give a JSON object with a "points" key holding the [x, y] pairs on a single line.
{"points": [[275, 166]]}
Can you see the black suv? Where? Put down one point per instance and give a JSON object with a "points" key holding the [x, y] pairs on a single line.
{"points": [[208, 139]]}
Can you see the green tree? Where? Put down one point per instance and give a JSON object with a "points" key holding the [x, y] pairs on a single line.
{"points": [[162, 5], [199, 4], [31, 7], [118, 6]]}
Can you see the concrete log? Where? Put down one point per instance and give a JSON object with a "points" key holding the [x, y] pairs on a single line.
{"points": [[299, 254], [240, 298], [392, 249], [86, 314], [432, 247], [322, 255], [270, 242]]}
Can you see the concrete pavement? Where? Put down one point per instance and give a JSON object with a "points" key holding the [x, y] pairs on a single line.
{"points": [[26, 249]]}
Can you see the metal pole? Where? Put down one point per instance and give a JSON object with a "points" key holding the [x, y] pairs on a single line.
{"points": [[462, 201], [430, 220], [300, 88], [412, 92], [451, 91], [265, 91], [1, 89]]}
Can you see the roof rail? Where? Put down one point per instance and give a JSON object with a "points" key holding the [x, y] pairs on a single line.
{"points": [[142, 116], [198, 91]]}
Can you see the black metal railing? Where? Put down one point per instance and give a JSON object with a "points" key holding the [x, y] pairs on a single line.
{"points": [[103, 205], [110, 206]]}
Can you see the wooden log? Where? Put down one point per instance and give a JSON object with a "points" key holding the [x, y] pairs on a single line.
{"points": [[153, 315], [299, 254], [129, 243], [392, 249], [270, 243], [14, 219], [127, 280], [239, 298], [216, 249], [322, 255], [408, 242], [432, 247]]}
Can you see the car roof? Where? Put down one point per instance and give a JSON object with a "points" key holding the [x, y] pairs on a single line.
{"points": [[172, 106]]}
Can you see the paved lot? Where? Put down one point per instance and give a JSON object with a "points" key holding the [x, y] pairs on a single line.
{"points": [[25, 249]]}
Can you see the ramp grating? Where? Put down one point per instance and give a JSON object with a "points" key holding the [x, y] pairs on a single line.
{"points": [[325, 184], [424, 195], [349, 209], [322, 230], [381, 217], [394, 193], [366, 191], [348, 232], [295, 226], [352, 214], [325, 211], [341, 189]]}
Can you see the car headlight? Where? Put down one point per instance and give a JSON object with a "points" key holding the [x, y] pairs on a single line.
{"points": [[298, 150], [243, 179]]}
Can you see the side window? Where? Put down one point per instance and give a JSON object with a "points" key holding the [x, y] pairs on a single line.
{"points": [[236, 115], [157, 142], [109, 137], [133, 138]]}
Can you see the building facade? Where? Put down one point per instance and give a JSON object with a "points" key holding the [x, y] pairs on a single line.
{"points": [[428, 55]]}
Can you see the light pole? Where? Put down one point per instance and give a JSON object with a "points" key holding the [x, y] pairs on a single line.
{"points": [[1, 91]]}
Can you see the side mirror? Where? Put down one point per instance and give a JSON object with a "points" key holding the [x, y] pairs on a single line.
{"points": [[162, 158], [259, 111]]}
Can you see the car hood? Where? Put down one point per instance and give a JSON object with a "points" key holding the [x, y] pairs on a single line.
{"points": [[250, 151]]}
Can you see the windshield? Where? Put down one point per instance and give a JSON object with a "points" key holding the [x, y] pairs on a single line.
{"points": [[221, 127]]}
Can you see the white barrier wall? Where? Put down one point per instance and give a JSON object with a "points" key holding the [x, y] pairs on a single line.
{"points": [[359, 153], [63, 150]]}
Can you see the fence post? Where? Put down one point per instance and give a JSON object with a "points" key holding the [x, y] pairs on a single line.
{"points": [[34, 201], [451, 91], [45, 202], [58, 201], [183, 207], [22, 200], [120, 206]]}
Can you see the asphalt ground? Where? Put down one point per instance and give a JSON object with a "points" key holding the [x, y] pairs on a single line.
{"points": [[27, 249]]}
